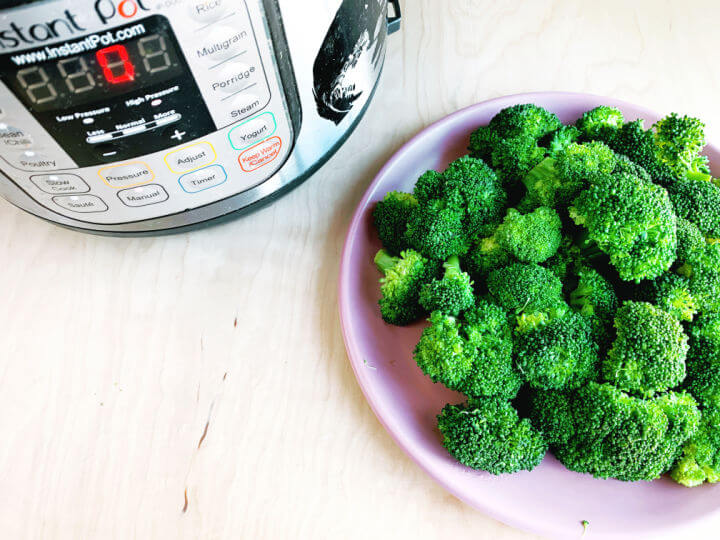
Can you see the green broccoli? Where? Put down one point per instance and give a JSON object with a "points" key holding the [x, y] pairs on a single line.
{"points": [[559, 355], [513, 158], [529, 320], [532, 237], [488, 329], [452, 294], [551, 414], [563, 261], [703, 360], [615, 435], [429, 186], [632, 221], [391, 216], [524, 287], [524, 119], [600, 120], [699, 202], [442, 353], [700, 459], [678, 142], [673, 293], [699, 261], [594, 295], [400, 285], [436, 230], [482, 142], [561, 139], [486, 255], [487, 434], [648, 355]]}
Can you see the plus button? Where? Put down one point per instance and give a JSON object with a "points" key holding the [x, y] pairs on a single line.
{"points": [[178, 135]]}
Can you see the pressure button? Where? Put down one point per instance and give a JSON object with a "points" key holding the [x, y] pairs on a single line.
{"points": [[126, 175]]}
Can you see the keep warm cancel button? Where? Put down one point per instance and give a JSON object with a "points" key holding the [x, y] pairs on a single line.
{"points": [[261, 154]]}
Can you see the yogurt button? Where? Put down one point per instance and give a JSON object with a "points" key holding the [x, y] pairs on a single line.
{"points": [[207, 11], [252, 131]]}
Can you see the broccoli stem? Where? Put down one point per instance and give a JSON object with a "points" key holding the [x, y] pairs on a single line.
{"points": [[384, 261], [452, 266], [698, 175], [588, 246]]}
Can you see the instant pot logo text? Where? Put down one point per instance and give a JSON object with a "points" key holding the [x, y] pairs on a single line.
{"points": [[15, 35], [127, 9]]}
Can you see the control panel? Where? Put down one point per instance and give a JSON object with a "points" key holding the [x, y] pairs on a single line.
{"points": [[182, 106]]}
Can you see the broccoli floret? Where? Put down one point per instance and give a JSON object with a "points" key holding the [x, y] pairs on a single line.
{"points": [[400, 285], [551, 414], [452, 294], [689, 239], [436, 230], [482, 142], [524, 287], [472, 185], [530, 320], [700, 459], [678, 141], [624, 165], [672, 292], [556, 182], [594, 295], [486, 255], [492, 374], [562, 262], [628, 438], [487, 434], [703, 361], [524, 119], [513, 158], [391, 216], [699, 261], [699, 202], [532, 237], [700, 169], [429, 186], [632, 221], [559, 355], [600, 120], [633, 141], [442, 353], [561, 139], [649, 352]]}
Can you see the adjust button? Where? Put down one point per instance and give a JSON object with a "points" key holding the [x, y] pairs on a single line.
{"points": [[211, 176], [60, 183], [85, 204], [252, 131], [191, 157], [127, 175], [143, 195]]}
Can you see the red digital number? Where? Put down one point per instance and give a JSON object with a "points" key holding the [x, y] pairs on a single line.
{"points": [[116, 64]]}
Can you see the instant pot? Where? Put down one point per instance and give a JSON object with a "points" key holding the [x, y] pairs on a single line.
{"points": [[143, 116]]}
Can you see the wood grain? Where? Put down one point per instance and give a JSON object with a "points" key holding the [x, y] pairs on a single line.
{"points": [[196, 386]]}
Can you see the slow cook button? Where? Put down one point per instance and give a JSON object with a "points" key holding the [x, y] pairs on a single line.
{"points": [[233, 77], [206, 11], [60, 183], [260, 155], [84, 204], [190, 157], [126, 175], [143, 195], [202, 179], [252, 131], [221, 43]]}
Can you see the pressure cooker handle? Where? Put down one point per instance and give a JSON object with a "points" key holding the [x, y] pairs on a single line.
{"points": [[393, 17]]}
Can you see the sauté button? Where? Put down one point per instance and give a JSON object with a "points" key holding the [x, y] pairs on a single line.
{"points": [[60, 183], [202, 179], [191, 157], [127, 175], [85, 204], [252, 131], [143, 195]]}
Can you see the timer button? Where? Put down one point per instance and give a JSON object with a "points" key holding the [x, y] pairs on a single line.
{"points": [[60, 183], [207, 11], [84, 204], [143, 195], [203, 179], [191, 157], [12, 137], [221, 43], [233, 78], [126, 175]]}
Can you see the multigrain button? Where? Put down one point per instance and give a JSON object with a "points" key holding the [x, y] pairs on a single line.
{"points": [[60, 183], [84, 204], [127, 175], [207, 11], [202, 179], [143, 195], [252, 131], [13, 137], [232, 77], [191, 157], [221, 43]]}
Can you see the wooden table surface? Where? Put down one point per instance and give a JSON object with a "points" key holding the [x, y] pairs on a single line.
{"points": [[197, 386]]}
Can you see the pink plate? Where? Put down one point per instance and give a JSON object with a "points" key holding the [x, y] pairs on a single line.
{"points": [[550, 500]]}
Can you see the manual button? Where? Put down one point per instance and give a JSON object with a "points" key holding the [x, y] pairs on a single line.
{"points": [[252, 131], [126, 175], [191, 157], [60, 183], [143, 195], [84, 204]]}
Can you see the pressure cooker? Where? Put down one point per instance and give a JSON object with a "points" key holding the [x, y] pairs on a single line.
{"points": [[146, 116]]}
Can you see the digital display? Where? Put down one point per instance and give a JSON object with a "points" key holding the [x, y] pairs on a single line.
{"points": [[93, 75]]}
